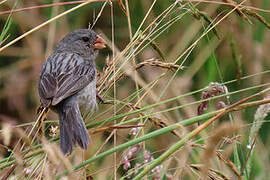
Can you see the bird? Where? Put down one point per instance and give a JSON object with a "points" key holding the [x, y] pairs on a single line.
{"points": [[68, 82]]}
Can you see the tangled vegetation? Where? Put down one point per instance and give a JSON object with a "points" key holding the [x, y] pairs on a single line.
{"points": [[185, 85]]}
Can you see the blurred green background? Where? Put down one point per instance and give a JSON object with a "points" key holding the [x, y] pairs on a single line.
{"points": [[236, 48]]}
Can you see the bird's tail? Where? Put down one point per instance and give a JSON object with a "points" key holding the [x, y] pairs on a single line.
{"points": [[72, 128]]}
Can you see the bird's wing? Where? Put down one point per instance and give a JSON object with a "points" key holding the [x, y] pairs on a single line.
{"points": [[64, 75]]}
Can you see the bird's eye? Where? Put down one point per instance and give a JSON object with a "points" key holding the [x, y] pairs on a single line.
{"points": [[85, 39]]}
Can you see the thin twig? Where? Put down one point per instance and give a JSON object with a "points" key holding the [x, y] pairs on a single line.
{"points": [[40, 6], [47, 22], [156, 62], [248, 155]]}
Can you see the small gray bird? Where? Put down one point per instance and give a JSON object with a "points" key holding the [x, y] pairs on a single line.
{"points": [[68, 81]]}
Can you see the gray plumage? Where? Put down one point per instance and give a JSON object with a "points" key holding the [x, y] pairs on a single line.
{"points": [[67, 81]]}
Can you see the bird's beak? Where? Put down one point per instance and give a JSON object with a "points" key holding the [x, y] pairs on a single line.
{"points": [[99, 43]]}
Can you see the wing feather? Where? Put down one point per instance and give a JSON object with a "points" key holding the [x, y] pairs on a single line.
{"points": [[64, 75]]}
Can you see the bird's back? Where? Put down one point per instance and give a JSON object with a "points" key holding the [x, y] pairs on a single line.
{"points": [[64, 75]]}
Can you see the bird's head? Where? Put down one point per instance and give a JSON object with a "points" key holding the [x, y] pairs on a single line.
{"points": [[84, 42]]}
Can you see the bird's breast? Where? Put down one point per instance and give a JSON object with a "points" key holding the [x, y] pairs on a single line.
{"points": [[87, 97]]}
